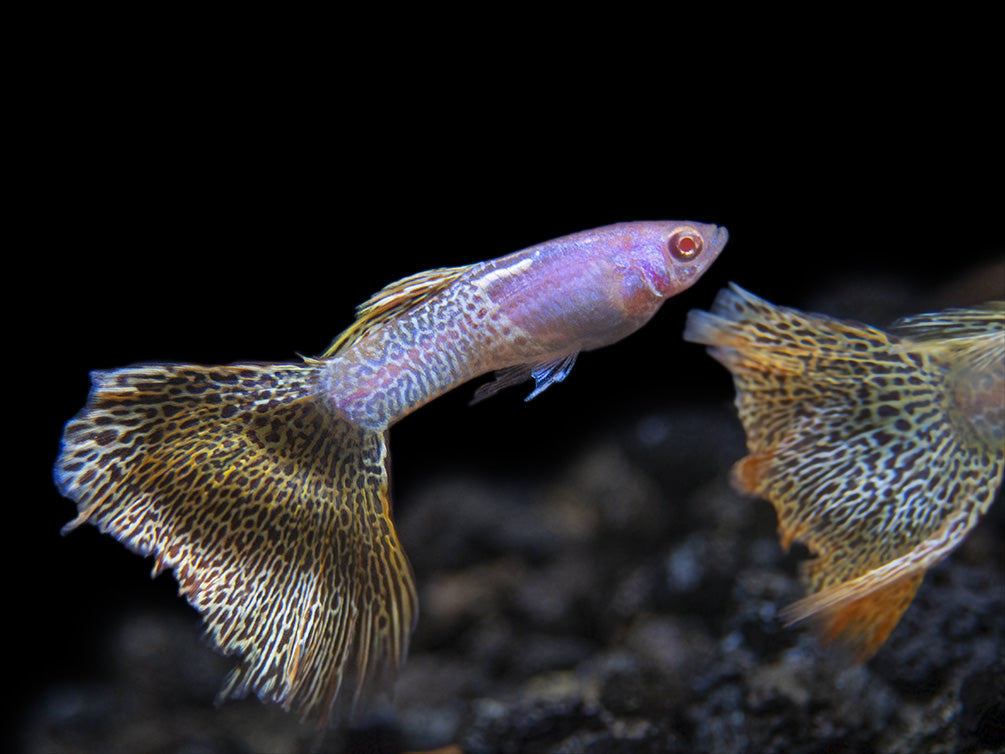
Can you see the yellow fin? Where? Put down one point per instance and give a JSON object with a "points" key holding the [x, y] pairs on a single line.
{"points": [[272, 512], [971, 343], [878, 451], [913, 563], [863, 611], [975, 336], [952, 324], [393, 300]]}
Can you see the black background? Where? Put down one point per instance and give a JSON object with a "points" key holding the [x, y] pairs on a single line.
{"points": [[213, 210]]}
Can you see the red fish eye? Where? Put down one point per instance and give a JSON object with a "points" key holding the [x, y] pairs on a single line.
{"points": [[685, 245]]}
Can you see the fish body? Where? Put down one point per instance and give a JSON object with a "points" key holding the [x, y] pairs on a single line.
{"points": [[522, 312], [879, 450], [264, 487]]}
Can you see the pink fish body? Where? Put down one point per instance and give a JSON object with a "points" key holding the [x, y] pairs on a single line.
{"points": [[531, 310], [264, 487]]}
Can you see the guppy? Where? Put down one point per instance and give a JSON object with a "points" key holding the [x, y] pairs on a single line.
{"points": [[264, 487], [879, 450]]}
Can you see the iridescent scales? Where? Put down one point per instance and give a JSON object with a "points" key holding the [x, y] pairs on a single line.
{"points": [[878, 450]]}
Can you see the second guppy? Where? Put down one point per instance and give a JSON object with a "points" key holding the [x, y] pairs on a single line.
{"points": [[880, 450], [264, 487]]}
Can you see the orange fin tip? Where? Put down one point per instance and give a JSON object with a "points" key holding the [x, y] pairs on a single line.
{"points": [[751, 472], [862, 622]]}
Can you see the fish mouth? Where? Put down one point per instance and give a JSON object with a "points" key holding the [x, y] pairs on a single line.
{"points": [[720, 238]]}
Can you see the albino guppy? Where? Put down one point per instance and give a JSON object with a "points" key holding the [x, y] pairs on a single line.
{"points": [[264, 487], [878, 450]]}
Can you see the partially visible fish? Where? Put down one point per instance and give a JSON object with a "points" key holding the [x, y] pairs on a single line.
{"points": [[264, 487], [879, 450]]}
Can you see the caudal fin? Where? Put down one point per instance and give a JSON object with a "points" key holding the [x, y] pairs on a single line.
{"points": [[272, 512], [860, 441]]}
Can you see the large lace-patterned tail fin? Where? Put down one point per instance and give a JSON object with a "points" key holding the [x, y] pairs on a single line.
{"points": [[272, 512], [878, 451]]}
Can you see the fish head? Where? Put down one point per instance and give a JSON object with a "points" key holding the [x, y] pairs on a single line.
{"points": [[662, 258]]}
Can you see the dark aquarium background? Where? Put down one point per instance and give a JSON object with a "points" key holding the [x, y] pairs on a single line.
{"points": [[587, 578]]}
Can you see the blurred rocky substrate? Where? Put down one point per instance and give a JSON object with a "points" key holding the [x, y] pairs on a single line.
{"points": [[625, 601]]}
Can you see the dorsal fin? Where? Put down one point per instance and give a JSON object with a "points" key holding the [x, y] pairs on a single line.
{"points": [[953, 324], [392, 300], [975, 335]]}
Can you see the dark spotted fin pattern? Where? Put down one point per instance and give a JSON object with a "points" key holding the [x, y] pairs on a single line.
{"points": [[878, 450], [391, 301], [272, 512], [265, 487]]}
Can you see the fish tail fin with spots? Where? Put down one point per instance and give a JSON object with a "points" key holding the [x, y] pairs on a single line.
{"points": [[272, 511], [879, 451], [265, 487]]}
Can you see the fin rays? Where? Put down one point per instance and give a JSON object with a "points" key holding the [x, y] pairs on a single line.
{"points": [[877, 452], [271, 511], [391, 301]]}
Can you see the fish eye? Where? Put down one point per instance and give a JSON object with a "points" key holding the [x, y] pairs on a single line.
{"points": [[685, 244]]}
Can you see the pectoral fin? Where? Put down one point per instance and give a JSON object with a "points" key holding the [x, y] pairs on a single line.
{"points": [[545, 374]]}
